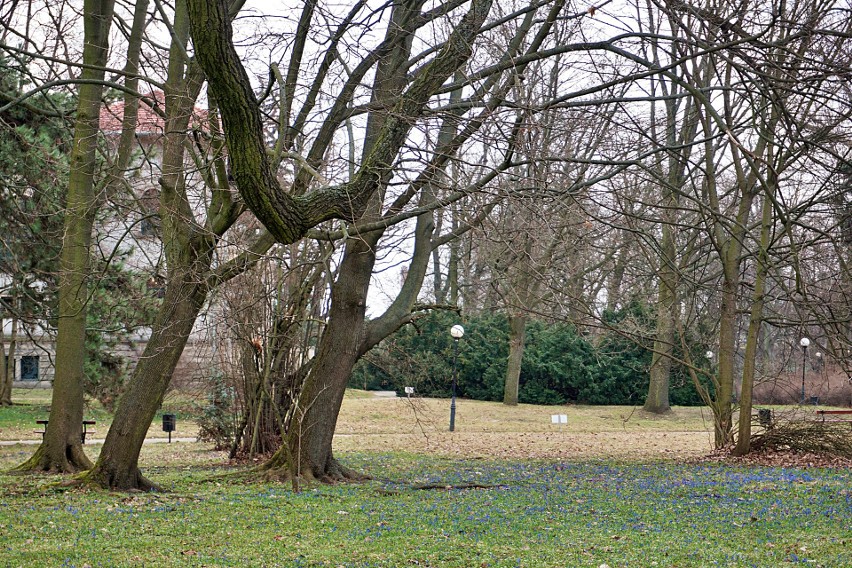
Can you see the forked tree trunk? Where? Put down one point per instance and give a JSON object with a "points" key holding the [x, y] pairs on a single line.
{"points": [[517, 334], [306, 452], [189, 252], [62, 449]]}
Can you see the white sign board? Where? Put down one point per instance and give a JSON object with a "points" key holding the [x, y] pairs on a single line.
{"points": [[409, 390], [559, 418]]}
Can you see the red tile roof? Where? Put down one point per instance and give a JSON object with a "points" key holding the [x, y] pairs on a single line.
{"points": [[149, 122]]}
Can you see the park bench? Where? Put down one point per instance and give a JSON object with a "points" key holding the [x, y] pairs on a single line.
{"points": [[832, 413], [86, 431]]}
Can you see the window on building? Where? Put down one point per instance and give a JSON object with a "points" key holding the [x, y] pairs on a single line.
{"points": [[29, 368]]}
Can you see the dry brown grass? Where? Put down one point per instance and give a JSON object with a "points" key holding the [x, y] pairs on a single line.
{"points": [[488, 429]]}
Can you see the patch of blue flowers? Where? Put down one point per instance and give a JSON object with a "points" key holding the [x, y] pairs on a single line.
{"points": [[436, 512]]}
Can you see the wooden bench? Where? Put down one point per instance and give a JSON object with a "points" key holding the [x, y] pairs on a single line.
{"points": [[83, 434], [831, 413]]}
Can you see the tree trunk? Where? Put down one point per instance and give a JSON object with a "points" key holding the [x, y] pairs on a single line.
{"points": [[118, 464], [517, 333], [753, 335], [5, 375], [7, 362], [189, 252], [307, 452], [62, 449], [307, 449], [727, 354], [744, 430], [657, 400], [730, 255]]}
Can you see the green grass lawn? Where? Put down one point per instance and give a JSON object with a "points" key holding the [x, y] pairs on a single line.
{"points": [[18, 422], [606, 495], [522, 513]]}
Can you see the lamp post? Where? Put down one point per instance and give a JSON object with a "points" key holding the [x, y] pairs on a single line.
{"points": [[457, 332], [804, 342], [820, 366]]}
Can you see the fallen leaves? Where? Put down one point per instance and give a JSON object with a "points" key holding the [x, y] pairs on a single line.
{"points": [[777, 459]]}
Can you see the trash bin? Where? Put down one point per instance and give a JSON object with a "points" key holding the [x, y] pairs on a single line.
{"points": [[169, 424], [764, 416]]}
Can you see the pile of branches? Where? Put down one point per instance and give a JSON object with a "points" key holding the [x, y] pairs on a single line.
{"points": [[806, 436]]}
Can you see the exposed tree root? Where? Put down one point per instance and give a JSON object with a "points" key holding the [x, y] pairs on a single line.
{"points": [[73, 460], [339, 472], [274, 470], [128, 481]]}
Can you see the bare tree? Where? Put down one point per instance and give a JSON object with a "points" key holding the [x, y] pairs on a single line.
{"points": [[62, 450]]}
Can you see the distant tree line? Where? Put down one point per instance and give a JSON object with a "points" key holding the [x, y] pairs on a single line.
{"points": [[561, 364]]}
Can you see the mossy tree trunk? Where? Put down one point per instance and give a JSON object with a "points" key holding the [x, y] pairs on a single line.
{"points": [[62, 449], [118, 464], [189, 249]]}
